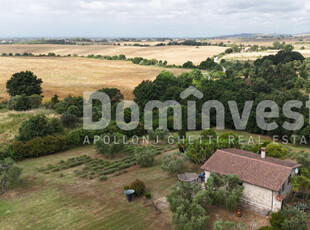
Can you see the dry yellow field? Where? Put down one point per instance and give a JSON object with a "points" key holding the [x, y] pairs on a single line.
{"points": [[73, 75], [254, 55], [173, 54]]}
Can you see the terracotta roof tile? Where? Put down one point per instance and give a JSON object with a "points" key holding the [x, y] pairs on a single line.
{"points": [[268, 173]]}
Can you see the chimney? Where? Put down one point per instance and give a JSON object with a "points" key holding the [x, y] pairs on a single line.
{"points": [[263, 152]]}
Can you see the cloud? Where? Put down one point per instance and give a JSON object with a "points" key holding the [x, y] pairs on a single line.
{"points": [[151, 17]]}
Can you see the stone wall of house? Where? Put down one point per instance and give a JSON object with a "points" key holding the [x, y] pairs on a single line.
{"points": [[288, 188], [257, 199]]}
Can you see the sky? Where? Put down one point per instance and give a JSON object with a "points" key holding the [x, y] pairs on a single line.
{"points": [[151, 18]]}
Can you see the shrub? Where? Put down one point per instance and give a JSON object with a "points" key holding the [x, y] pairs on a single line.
{"points": [[147, 195], [35, 126], [74, 110], [207, 134], [276, 220], [126, 187], [64, 105], [55, 125], [68, 120], [115, 145], [294, 219], [38, 146], [145, 155], [35, 101], [76, 136], [19, 150], [138, 186], [102, 178], [19, 103]]}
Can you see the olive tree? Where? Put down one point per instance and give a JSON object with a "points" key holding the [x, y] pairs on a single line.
{"points": [[173, 163], [145, 155], [9, 173]]}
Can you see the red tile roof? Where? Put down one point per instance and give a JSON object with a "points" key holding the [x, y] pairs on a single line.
{"points": [[268, 173]]}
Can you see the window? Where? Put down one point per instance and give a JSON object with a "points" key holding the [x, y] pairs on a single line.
{"points": [[283, 186], [289, 180]]}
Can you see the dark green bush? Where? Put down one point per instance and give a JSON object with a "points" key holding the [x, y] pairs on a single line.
{"points": [[276, 220], [38, 146], [147, 195], [68, 120], [138, 186], [35, 126]]}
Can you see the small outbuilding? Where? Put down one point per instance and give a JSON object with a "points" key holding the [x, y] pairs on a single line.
{"points": [[266, 180]]}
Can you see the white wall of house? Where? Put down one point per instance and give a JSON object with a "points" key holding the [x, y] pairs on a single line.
{"points": [[277, 205]]}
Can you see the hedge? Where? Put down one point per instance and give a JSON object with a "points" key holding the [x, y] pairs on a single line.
{"points": [[38, 146]]}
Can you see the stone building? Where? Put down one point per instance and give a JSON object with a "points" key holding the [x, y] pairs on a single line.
{"points": [[266, 180]]}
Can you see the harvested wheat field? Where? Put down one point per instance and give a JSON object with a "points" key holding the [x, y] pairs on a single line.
{"points": [[173, 54], [73, 75], [254, 55]]}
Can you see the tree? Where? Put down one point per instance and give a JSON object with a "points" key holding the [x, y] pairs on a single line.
{"points": [[19, 103], [303, 158], [208, 134], [55, 99], [276, 151], [173, 163], [113, 146], [301, 183], [24, 83], [199, 151], [35, 126], [288, 48], [114, 94], [68, 120], [9, 173], [145, 155], [294, 218], [74, 110], [224, 190], [289, 218], [188, 65], [186, 204]]}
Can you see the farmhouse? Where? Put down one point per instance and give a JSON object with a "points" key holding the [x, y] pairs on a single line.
{"points": [[266, 180]]}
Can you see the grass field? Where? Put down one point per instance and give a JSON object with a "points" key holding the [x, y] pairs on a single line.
{"points": [[173, 54], [51, 201], [47, 201], [10, 121], [73, 75]]}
